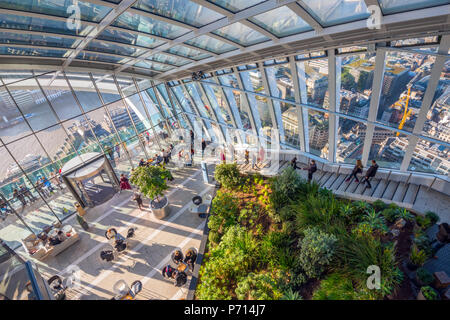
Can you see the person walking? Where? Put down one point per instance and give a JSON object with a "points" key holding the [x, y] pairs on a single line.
{"points": [[357, 169], [20, 197], [371, 173], [247, 156], [311, 169], [124, 184], [203, 147], [138, 199], [254, 165]]}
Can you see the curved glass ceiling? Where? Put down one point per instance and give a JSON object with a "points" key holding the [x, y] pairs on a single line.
{"points": [[162, 35]]}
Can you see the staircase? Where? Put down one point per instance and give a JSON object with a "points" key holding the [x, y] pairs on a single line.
{"points": [[389, 187]]}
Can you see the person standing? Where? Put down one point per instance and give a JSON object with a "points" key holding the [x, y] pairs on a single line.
{"points": [[138, 199], [203, 146], [222, 156], [124, 184], [311, 169], [294, 163], [247, 155], [20, 197], [357, 169], [254, 165], [371, 173], [118, 151], [26, 192]]}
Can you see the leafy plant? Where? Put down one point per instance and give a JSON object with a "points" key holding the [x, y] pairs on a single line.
{"points": [[291, 295], [423, 222], [151, 180], [405, 214], [423, 243], [375, 221], [316, 251], [417, 256], [361, 207], [227, 174], [379, 205], [424, 276], [390, 214], [285, 188], [434, 218], [429, 293]]}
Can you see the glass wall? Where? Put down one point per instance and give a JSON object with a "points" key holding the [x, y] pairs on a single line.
{"points": [[46, 119]]}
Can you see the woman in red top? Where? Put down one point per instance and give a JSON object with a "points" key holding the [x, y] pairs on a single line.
{"points": [[124, 184]]}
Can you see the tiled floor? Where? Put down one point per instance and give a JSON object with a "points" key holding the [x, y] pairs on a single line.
{"points": [[148, 251]]}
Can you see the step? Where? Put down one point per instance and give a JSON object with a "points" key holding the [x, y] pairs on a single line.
{"points": [[379, 189], [331, 180], [411, 193], [361, 187], [374, 183], [339, 182], [329, 177], [390, 190], [351, 185], [325, 178], [401, 190], [318, 175]]}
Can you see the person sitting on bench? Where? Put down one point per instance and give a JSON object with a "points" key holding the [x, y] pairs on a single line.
{"points": [[357, 169], [371, 173]]}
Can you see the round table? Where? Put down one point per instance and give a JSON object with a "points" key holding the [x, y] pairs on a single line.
{"points": [[67, 229]]}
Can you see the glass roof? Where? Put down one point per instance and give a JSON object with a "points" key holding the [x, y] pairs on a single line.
{"points": [[236, 5], [332, 12], [163, 35], [180, 10], [281, 22], [241, 34], [211, 44], [188, 52]]}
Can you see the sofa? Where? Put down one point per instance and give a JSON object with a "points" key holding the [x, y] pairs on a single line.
{"points": [[36, 248]]}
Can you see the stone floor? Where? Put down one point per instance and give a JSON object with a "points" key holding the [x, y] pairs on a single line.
{"points": [[148, 251]]}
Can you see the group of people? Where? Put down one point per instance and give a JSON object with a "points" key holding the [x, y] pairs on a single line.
{"points": [[358, 168], [56, 239], [163, 157]]}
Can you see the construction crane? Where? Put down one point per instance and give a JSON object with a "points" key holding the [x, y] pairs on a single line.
{"points": [[406, 113]]}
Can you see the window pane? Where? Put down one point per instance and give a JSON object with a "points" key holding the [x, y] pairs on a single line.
{"points": [[81, 135], [356, 84], [281, 22], [12, 124], [58, 92], [404, 84], [241, 34], [313, 78], [389, 7], [121, 120], [236, 5], [188, 52], [290, 124], [182, 10], [32, 103], [217, 101], [211, 44], [317, 133], [332, 12], [430, 157], [383, 148], [84, 90], [349, 141], [126, 37], [107, 87]]}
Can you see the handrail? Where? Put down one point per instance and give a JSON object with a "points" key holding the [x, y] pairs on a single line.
{"points": [[409, 177]]}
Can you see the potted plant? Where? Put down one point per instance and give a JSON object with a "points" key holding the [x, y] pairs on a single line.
{"points": [[152, 182], [424, 277], [427, 293]]}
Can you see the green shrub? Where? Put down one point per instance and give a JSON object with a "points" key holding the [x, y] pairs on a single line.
{"points": [[356, 254], [228, 175], [316, 251], [285, 188], [423, 243], [434, 218], [375, 221], [417, 256], [379, 205], [361, 207], [424, 276], [258, 286], [232, 259], [423, 222], [224, 212], [429, 293], [151, 181], [214, 237], [390, 214], [335, 286], [275, 250]]}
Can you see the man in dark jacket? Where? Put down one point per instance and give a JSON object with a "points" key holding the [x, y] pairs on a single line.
{"points": [[311, 169], [371, 173], [294, 163]]}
